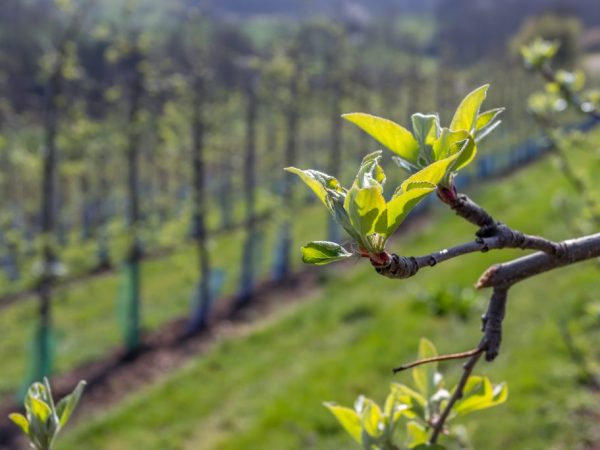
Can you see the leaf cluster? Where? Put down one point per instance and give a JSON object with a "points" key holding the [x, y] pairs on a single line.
{"points": [[43, 418], [409, 412], [431, 154]]}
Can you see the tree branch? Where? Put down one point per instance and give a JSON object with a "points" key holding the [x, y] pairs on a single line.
{"points": [[405, 267], [573, 251], [456, 395], [570, 96], [438, 358]]}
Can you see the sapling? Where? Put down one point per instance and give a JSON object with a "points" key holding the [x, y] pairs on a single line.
{"points": [[44, 418]]}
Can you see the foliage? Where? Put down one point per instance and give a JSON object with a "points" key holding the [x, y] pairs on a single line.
{"points": [[565, 31], [562, 87], [44, 419], [409, 412], [431, 154]]}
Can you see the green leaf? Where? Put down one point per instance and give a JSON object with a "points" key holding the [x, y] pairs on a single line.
{"points": [[416, 434], [394, 409], [319, 182], [40, 410], [466, 113], [465, 155], [449, 143], [429, 447], [21, 421], [407, 396], [371, 417], [395, 137], [370, 172], [480, 394], [424, 375], [486, 123], [365, 206], [402, 204], [432, 175], [323, 252], [426, 128], [486, 118], [67, 405], [348, 418]]}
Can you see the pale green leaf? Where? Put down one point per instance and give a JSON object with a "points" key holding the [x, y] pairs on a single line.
{"points": [[449, 143], [429, 447], [486, 118], [371, 417], [317, 182], [394, 408], [486, 123], [465, 155], [480, 394], [416, 434], [411, 398], [21, 421], [424, 375], [40, 410], [65, 408], [466, 113], [348, 418], [426, 128], [370, 172], [323, 252], [393, 136], [402, 203], [365, 206], [432, 175]]}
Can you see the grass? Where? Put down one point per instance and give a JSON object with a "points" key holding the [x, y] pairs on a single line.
{"points": [[86, 314], [264, 390]]}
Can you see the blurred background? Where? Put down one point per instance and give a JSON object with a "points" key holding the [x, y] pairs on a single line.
{"points": [[149, 238]]}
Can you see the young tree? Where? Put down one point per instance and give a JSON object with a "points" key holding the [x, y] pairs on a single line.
{"points": [[55, 72]]}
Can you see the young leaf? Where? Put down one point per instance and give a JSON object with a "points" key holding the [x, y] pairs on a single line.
{"points": [[424, 375], [319, 182], [429, 447], [486, 118], [370, 172], [480, 394], [465, 155], [65, 408], [323, 252], [348, 418], [393, 136], [466, 113], [426, 128], [402, 203], [416, 434], [415, 401], [370, 417], [40, 410], [449, 143], [21, 421], [365, 206], [486, 123]]}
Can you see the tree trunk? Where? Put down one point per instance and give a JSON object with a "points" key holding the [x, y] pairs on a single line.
{"points": [[248, 272], [282, 261], [200, 314], [42, 367], [132, 311]]}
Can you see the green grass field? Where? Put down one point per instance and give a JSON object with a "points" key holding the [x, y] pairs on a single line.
{"points": [[86, 314], [263, 390]]}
